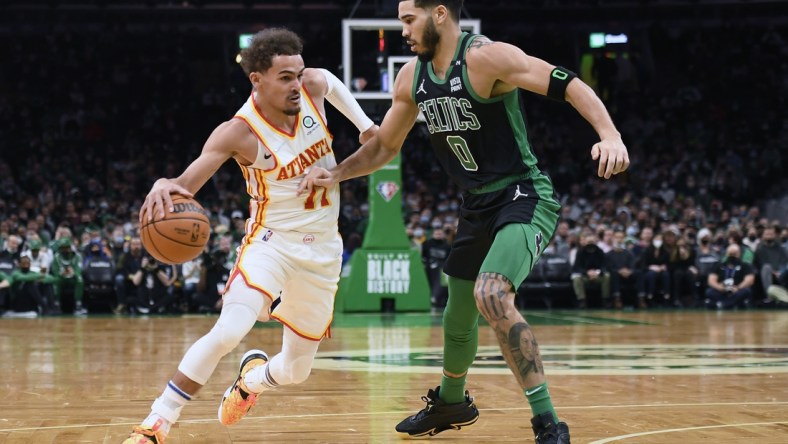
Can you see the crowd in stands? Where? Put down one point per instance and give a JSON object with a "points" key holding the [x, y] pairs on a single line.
{"points": [[79, 149]]}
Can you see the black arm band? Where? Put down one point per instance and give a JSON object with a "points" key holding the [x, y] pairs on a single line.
{"points": [[559, 79]]}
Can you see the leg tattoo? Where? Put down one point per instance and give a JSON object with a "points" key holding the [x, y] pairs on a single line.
{"points": [[495, 300], [525, 350], [491, 290]]}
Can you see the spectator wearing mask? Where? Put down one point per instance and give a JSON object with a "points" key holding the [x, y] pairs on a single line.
{"points": [[417, 238], [654, 261], [730, 285], [683, 272], [623, 268], [706, 258], [214, 275], [127, 267], [95, 250], [752, 240], [67, 271], [118, 243], [26, 293], [590, 269], [154, 283]]}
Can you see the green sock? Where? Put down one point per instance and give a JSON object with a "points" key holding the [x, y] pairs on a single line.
{"points": [[452, 389], [539, 398]]}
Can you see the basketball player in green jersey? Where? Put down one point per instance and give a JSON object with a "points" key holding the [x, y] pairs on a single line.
{"points": [[467, 88]]}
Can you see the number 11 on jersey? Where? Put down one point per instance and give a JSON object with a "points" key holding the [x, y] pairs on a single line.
{"points": [[309, 203]]}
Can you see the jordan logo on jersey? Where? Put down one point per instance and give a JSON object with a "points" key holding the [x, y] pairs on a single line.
{"points": [[421, 87], [517, 193]]}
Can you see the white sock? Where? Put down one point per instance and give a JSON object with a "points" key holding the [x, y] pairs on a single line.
{"points": [[167, 408], [290, 366], [259, 379]]}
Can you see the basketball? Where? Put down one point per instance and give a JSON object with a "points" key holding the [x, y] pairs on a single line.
{"points": [[180, 235]]}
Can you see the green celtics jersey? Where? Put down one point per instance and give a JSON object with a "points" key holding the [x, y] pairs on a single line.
{"points": [[478, 141]]}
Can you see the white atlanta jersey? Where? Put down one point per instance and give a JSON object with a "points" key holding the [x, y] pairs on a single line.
{"points": [[274, 203]]}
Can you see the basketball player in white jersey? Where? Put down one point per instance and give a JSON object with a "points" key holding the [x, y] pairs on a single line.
{"points": [[292, 248]]}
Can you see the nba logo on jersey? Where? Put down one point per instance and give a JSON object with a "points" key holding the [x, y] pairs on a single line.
{"points": [[387, 190], [268, 235]]}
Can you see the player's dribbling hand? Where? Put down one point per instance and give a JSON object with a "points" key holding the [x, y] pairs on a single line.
{"points": [[160, 197], [316, 177], [612, 155]]}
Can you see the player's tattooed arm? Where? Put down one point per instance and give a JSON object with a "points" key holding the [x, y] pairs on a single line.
{"points": [[480, 42]]}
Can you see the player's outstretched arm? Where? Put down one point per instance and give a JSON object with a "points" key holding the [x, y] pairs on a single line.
{"points": [[220, 146], [511, 65], [337, 94], [381, 148]]}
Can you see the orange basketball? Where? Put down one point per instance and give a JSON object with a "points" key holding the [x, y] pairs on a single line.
{"points": [[180, 235]]}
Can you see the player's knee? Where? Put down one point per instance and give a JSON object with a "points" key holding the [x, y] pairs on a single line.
{"points": [[457, 335], [493, 297], [227, 338], [481, 296]]}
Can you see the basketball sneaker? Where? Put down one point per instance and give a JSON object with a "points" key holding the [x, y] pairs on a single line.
{"points": [[146, 435], [238, 399], [547, 431], [438, 416]]}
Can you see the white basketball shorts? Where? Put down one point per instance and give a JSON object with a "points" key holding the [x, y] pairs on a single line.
{"points": [[302, 269]]}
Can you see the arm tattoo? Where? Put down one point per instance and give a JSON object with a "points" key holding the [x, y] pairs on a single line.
{"points": [[479, 42]]}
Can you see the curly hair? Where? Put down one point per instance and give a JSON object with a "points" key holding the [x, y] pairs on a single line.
{"points": [[265, 45]]}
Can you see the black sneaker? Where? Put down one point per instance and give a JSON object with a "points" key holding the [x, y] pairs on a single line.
{"points": [[439, 416], [547, 431]]}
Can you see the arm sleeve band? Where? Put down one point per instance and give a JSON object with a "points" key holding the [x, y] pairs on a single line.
{"points": [[559, 80], [340, 98]]}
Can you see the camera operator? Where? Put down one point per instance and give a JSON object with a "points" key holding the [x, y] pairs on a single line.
{"points": [[154, 283], [213, 276]]}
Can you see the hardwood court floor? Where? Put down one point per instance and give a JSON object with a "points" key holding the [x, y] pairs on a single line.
{"points": [[628, 377]]}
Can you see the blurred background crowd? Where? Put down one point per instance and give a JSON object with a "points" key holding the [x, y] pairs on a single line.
{"points": [[92, 111]]}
